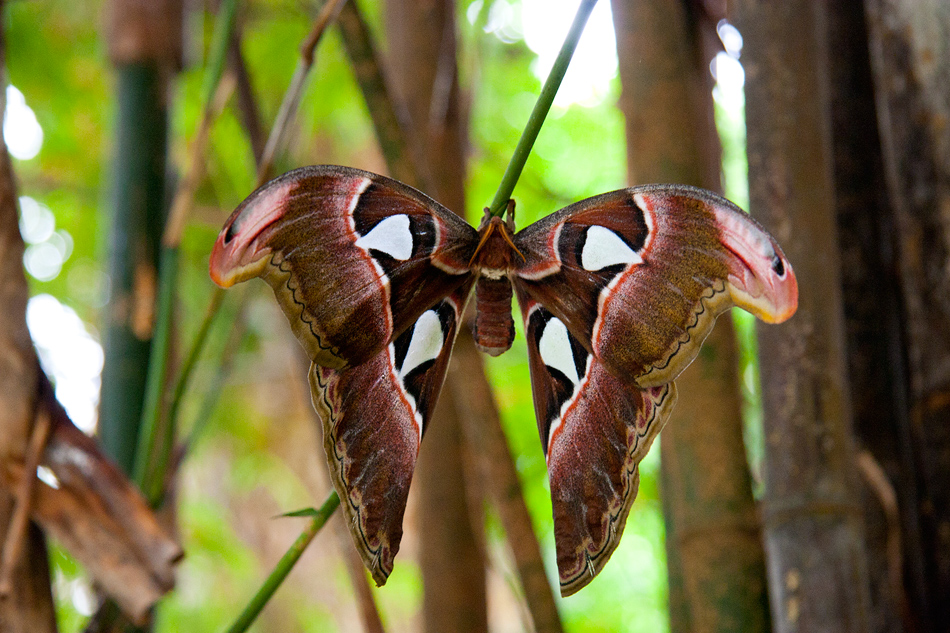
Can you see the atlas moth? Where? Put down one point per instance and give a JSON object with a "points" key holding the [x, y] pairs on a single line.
{"points": [[617, 293]]}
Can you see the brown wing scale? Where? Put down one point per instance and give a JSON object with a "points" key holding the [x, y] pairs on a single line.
{"points": [[354, 258], [374, 416], [640, 275], [595, 430]]}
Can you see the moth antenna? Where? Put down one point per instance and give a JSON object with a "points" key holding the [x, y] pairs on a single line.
{"points": [[491, 227], [507, 237], [504, 235]]}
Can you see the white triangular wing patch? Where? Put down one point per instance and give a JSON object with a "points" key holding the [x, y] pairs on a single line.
{"points": [[603, 247], [391, 236]]}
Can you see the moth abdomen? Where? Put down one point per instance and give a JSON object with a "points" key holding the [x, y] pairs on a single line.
{"points": [[494, 328]]}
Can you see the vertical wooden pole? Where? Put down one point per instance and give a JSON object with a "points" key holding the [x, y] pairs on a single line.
{"points": [[812, 513], [874, 317], [910, 60]]}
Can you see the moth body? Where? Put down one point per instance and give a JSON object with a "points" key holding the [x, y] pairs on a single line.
{"points": [[493, 262], [494, 328]]}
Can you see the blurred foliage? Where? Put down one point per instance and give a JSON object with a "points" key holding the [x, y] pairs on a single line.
{"points": [[259, 455], [55, 57]]}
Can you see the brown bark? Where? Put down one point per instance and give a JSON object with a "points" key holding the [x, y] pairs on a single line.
{"points": [[812, 514], [19, 368], [715, 555], [873, 316], [101, 518], [910, 59], [29, 608], [666, 100], [483, 432], [30, 605], [145, 31], [422, 51], [421, 55]]}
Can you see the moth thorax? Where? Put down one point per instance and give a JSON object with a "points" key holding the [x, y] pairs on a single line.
{"points": [[494, 328]]}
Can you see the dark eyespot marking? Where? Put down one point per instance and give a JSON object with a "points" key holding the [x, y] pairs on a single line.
{"points": [[778, 266]]}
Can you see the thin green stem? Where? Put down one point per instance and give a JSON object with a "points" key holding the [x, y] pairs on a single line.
{"points": [[291, 102], [189, 365], [400, 154], [165, 439], [218, 54], [223, 368], [286, 563], [149, 467], [541, 108], [144, 475]]}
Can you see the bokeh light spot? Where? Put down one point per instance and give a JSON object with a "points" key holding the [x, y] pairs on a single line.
{"points": [[21, 130]]}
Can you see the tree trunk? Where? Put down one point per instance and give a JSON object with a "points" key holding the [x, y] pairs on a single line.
{"points": [[422, 58], [19, 369], [29, 607], [873, 321], [713, 537], [818, 577], [910, 56], [499, 477]]}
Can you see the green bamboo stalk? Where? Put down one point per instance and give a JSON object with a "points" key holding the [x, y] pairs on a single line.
{"points": [[541, 108], [286, 563], [154, 444], [137, 194]]}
